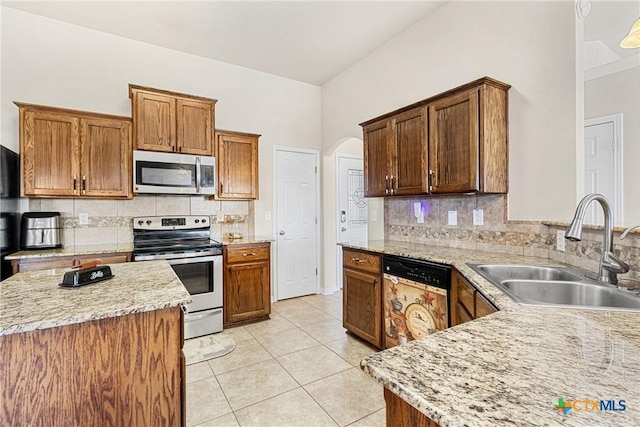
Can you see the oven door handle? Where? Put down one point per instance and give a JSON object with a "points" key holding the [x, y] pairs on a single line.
{"points": [[194, 260]]}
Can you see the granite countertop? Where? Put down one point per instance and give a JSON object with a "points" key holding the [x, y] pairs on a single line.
{"points": [[247, 240], [71, 250], [511, 367], [33, 300]]}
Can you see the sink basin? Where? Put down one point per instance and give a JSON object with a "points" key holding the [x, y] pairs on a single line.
{"points": [[526, 272], [570, 293], [555, 286]]}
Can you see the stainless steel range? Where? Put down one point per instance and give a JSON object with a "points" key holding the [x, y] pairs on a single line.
{"points": [[185, 242]]}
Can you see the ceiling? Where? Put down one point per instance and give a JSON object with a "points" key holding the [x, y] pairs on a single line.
{"points": [[308, 41]]}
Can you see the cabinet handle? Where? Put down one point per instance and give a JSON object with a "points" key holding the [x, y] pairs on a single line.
{"points": [[179, 149], [386, 184], [75, 184], [249, 254], [392, 187], [358, 260], [375, 282], [221, 187], [430, 180], [84, 184], [173, 148]]}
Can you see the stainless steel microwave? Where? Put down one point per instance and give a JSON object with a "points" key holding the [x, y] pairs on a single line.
{"points": [[169, 173]]}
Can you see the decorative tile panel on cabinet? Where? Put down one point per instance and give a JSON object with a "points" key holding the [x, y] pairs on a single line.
{"points": [[70, 153], [173, 122], [237, 158]]}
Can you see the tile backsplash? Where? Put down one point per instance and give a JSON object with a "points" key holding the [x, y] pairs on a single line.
{"points": [[497, 234], [110, 221]]}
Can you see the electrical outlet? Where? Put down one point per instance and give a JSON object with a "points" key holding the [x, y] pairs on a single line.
{"points": [[83, 218], [453, 217], [560, 240], [267, 215], [478, 217]]}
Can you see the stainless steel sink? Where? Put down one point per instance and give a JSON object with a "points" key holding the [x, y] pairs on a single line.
{"points": [[555, 286], [526, 272], [570, 293]]}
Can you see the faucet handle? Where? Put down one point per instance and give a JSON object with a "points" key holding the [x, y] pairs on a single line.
{"points": [[614, 264], [628, 230]]}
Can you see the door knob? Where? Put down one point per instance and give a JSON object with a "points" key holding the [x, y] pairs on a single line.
{"points": [[343, 229], [281, 232]]}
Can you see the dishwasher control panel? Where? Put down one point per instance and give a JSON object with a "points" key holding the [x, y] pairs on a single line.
{"points": [[419, 271]]}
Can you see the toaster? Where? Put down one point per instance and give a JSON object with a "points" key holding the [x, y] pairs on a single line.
{"points": [[40, 230]]}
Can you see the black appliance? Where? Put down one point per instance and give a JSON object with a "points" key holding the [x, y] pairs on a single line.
{"points": [[9, 207]]}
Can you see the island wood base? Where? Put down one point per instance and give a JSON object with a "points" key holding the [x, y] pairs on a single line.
{"points": [[401, 414], [119, 371]]}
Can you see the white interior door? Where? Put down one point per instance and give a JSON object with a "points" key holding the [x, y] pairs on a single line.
{"points": [[603, 166], [296, 223], [352, 222]]}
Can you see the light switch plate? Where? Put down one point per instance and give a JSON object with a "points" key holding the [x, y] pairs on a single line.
{"points": [[453, 217], [220, 217], [374, 215], [560, 240], [478, 217], [83, 218], [267, 215]]}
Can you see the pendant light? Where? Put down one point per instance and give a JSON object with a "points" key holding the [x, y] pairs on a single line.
{"points": [[633, 38]]}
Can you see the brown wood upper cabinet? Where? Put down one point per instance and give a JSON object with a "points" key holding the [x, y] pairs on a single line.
{"points": [[464, 133], [237, 158], [69, 153], [395, 154], [172, 122]]}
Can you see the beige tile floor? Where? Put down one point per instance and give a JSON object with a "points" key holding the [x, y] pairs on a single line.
{"points": [[299, 368]]}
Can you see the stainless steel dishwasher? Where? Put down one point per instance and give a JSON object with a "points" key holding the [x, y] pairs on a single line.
{"points": [[416, 299]]}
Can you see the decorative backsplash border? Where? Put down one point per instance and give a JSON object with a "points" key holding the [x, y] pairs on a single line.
{"points": [[111, 221], [497, 234]]}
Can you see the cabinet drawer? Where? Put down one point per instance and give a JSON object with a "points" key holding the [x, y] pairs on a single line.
{"points": [[483, 306], [247, 253], [466, 294], [361, 261]]}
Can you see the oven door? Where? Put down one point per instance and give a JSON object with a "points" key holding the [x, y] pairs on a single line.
{"points": [[202, 276]]}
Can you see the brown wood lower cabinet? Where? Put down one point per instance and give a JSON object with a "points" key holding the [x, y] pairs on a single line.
{"points": [[45, 263], [466, 302], [247, 283], [362, 295], [120, 371], [401, 414]]}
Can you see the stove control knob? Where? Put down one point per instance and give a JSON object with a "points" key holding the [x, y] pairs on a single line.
{"points": [[148, 222], [140, 222], [197, 221], [204, 220]]}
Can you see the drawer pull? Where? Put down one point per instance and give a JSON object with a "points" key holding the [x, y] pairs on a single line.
{"points": [[249, 254], [356, 260]]}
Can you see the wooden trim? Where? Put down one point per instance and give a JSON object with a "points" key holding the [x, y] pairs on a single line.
{"points": [[233, 132], [57, 110], [133, 88], [466, 86]]}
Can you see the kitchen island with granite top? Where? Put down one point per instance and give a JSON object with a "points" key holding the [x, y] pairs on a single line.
{"points": [[513, 367], [103, 354]]}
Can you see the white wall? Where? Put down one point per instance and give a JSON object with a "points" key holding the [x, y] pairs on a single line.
{"points": [[620, 93], [529, 45], [49, 62]]}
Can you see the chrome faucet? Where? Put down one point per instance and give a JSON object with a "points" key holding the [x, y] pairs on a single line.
{"points": [[610, 264], [628, 230]]}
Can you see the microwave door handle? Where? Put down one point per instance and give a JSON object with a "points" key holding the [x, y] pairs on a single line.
{"points": [[198, 174]]}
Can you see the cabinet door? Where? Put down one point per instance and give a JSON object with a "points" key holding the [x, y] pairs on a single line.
{"points": [[246, 292], [155, 121], [105, 153], [483, 306], [377, 158], [194, 121], [410, 171], [361, 311], [49, 152], [237, 159], [453, 143]]}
